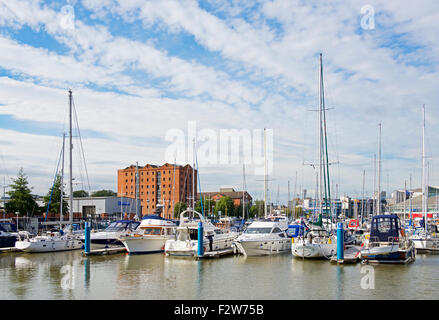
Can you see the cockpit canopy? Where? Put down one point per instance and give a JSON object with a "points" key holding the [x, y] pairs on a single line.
{"points": [[385, 228]]}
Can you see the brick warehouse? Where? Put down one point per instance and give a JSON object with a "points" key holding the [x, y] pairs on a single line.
{"points": [[156, 186]]}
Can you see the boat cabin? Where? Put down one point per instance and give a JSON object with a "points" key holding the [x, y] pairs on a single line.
{"points": [[385, 228], [122, 225]]}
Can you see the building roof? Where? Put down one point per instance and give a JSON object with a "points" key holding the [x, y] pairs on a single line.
{"points": [[233, 194]]}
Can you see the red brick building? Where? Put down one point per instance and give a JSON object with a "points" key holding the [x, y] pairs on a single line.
{"points": [[158, 186], [236, 196]]}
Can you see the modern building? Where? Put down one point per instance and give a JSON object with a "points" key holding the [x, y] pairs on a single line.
{"points": [[103, 207], [159, 188], [413, 203]]}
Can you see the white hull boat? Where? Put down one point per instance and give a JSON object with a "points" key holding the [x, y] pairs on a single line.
{"points": [[185, 242], [150, 237], [263, 238], [49, 243]]}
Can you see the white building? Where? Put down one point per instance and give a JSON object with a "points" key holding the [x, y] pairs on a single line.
{"points": [[111, 206]]}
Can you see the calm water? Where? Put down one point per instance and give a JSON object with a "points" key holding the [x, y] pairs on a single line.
{"points": [[68, 275]]}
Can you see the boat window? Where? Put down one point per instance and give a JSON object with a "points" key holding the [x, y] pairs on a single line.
{"points": [[276, 230], [133, 225], [156, 231], [218, 231], [257, 230], [282, 235], [384, 225], [117, 226]]}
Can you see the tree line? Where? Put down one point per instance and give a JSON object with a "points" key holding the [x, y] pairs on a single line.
{"points": [[22, 200]]}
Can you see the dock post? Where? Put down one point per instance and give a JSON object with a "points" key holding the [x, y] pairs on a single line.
{"points": [[200, 239], [87, 238], [340, 242]]}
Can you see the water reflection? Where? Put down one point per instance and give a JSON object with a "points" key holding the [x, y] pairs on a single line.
{"points": [[155, 276]]}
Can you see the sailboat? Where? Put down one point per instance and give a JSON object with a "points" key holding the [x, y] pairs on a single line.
{"points": [[56, 241], [318, 241], [425, 237]]}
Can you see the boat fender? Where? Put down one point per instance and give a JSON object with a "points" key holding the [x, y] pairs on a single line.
{"points": [[329, 241], [402, 233], [292, 240]]}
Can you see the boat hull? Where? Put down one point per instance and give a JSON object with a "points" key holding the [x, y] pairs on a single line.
{"points": [[388, 254], [313, 250], [190, 247], [144, 245], [48, 246], [263, 247]]}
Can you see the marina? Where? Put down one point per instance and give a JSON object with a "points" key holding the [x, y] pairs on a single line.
{"points": [[202, 150]]}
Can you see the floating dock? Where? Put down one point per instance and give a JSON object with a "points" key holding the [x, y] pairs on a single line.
{"points": [[104, 251], [351, 255], [10, 249], [217, 254]]}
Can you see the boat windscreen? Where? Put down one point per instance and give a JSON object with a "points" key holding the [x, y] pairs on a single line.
{"points": [[257, 230], [117, 226]]}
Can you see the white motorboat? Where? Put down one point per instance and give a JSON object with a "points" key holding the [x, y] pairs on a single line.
{"points": [[426, 242], [387, 242], [50, 242], [150, 236], [264, 238], [110, 236], [186, 238], [317, 244]]}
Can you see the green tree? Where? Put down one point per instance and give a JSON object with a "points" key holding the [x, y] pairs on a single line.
{"points": [[80, 194], [257, 209], [225, 205], [104, 193], [55, 200], [179, 208], [21, 199]]}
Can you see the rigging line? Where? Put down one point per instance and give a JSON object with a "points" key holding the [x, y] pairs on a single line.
{"points": [[199, 183], [53, 185], [80, 142]]}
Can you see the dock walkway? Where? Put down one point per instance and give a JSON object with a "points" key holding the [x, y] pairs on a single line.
{"points": [[111, 250], [351, 255], [216, 254]]}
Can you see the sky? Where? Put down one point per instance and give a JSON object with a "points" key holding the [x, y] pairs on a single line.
{"points": [[145, 73]]}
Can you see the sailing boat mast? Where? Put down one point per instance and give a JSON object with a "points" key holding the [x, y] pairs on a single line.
{"points": [[70, 160], [243, 191], [424, 192], [62, 182], [379, 172], [265, 175]]}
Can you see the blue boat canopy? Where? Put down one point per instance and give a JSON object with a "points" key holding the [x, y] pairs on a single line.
{"points": [[385, 228]]}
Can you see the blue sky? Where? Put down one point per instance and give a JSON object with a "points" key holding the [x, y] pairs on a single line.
{"points": [[141, 69]]}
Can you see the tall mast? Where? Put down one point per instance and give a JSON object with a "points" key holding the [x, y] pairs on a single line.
{"points": [[193, 179], [265, 175], [362, 200], [374, 184], [294, 196], [379, 172], [136, 176], [424, 192], [243, 191], [320, 135], [70, 160], [62, 182], [405, 192], [410, 197]]}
